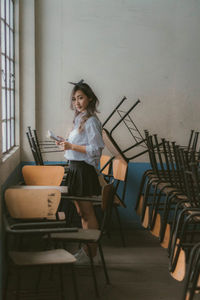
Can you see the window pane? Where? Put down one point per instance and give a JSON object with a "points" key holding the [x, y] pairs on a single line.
{"points": [[4, 137], [3, 104], [8, 134], [12, 132], [7, 11], [7, 75], [3, 37], [7, 72], [12, 104], [11, 45], [12, 75], [8, 105], [11, 14], [7, 40], [3, 71], [3, 8]]}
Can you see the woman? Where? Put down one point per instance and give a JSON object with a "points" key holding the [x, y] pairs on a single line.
{"points": [[83, 150]]}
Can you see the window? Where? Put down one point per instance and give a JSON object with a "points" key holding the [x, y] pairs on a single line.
{"points": [[7, 75]]}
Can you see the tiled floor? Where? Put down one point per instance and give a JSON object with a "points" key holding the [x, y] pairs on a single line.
{"points": [[137, 272]]}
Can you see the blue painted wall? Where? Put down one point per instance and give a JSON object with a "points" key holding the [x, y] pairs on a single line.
{"points": [[128, 215]]}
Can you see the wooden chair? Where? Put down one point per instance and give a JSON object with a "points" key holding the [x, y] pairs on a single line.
{"points": [[163, 179], [116, 169], [33, 207], [46, 176], [43, 175], [21, 261], [124, 118], [26, 215], [32, 203], [192, 281], [87, 236]]}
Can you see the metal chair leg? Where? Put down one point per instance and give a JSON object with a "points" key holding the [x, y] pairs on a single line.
{"points": [[5, 289], [120, 227], [93, 270], [74, 282], [18, 284], [62, 296], [104, 264]]}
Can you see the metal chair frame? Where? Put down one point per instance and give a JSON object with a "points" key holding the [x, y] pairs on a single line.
{"points": [[106, 204], [152, 173], [28, 227], [127, 120], [38, 148], [192, 274]]}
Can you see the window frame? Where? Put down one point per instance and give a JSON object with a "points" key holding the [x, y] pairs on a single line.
{"points": [[7, 54]]}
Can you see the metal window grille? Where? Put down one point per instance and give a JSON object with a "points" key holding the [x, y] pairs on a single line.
{"points": [[7, 75]]}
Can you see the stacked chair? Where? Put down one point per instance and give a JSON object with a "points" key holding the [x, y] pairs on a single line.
{"points": [[119, 119], [191, 286], [38, 147], [169, 202]]}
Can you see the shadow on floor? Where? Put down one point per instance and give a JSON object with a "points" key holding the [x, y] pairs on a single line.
{"points": [[137, 272]]}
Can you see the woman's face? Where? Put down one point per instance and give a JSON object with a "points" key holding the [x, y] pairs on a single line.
{"points": [[80, 101]]}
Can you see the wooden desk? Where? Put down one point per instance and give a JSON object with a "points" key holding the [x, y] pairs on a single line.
{"points": [[63, 189]]}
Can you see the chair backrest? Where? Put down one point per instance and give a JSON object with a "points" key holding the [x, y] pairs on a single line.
{"points": [[105, 160], [107, 196], [32, 203], [112, 145], [43, 175], [34, 145], [120, 168], [120, 171], [108, 192]]}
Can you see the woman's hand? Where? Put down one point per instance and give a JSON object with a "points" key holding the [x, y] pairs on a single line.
{"points": [[66, 145], [61, 140]]}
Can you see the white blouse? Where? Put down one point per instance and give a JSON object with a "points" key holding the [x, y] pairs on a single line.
{"points": [[91, 137]]}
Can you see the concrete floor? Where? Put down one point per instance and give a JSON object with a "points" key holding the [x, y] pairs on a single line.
{"points": [[138, 271]]}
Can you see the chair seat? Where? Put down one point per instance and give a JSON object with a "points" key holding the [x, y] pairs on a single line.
{"points": [[91, 235], [50, 257]]}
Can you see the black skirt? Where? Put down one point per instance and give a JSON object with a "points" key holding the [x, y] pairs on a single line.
{"points": [[82, 179]]}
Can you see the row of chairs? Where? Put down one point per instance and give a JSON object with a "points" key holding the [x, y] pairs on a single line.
{"points": [[168, 201], [31, 210], [42, 177], [117, 163]]}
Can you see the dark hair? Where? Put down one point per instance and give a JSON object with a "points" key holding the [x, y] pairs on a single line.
{"points": [[92, 105]]}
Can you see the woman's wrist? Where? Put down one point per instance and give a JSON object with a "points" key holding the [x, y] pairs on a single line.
{"points": [[78, 148]]}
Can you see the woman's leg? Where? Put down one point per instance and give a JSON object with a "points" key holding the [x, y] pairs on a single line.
{"points": [[88, 219]]}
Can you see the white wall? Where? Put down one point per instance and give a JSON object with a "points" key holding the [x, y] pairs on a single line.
{"points": [[27, 73], [137, 48]]}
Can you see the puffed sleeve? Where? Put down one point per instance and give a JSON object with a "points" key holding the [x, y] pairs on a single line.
{"points": [[94, 134]]}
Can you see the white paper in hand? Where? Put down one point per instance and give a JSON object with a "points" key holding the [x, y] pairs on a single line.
{"points": [[52, 136]]}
